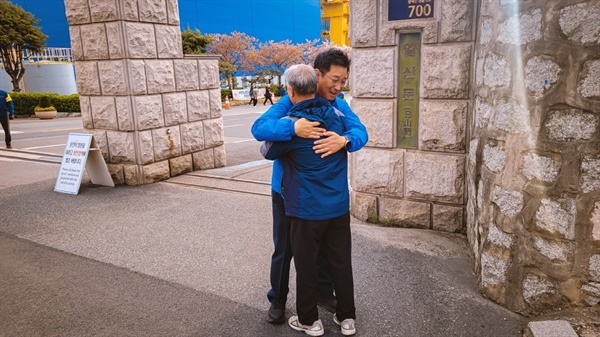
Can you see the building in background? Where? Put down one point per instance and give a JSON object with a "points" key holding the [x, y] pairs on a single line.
{"points": [[335, 16]]}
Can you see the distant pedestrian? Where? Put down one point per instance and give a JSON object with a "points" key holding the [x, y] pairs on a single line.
{"points": [[282, 91], [253, 95], [7, 111], [268, 96]]}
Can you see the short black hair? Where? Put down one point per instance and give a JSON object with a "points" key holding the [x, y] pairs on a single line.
{"points": [[332, 56]]}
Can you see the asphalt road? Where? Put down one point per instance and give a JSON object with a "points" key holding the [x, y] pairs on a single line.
{"points": [[49, 136]]}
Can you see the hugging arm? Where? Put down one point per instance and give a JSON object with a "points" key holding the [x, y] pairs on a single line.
{"points": [[356, 132], [272, 128]]}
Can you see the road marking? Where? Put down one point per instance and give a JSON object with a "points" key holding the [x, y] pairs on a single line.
{"points": [[36, 138], [242, 141], [239, 119], [229, 126], [242, 114], [15, 160], [14, 132], [56, 130], [41, 147]]}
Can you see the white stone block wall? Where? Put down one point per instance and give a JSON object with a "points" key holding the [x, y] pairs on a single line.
{"points": [[154, 112], [534, 167], [423, 187]]}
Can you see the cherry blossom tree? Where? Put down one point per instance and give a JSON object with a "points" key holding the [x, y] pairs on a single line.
{"points": [[234, 50], [309, 51], [275, 57]]}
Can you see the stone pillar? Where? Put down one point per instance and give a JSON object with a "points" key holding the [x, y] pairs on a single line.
{"points": [[423, 187], [153, 112], [534, 161]]}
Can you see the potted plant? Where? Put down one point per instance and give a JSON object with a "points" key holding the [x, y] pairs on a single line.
{"points": [[44, 109]]}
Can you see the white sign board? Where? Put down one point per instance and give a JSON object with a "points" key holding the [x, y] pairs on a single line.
{"points": [[81, 152], [245, 94]]}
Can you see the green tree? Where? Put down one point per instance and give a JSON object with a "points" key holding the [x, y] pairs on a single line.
{"points": [[18, 32], [194, 42]]}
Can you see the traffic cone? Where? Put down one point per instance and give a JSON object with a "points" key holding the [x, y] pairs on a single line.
{"points": [[227, 105]]}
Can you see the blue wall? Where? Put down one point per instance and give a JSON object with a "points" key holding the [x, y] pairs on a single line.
{"points": [[277, 20], [53, 20]]}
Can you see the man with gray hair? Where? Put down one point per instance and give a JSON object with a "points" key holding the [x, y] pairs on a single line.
{"points": [[316, 195]]}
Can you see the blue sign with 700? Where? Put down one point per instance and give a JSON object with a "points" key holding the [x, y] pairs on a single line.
{"points": [[410, 9]]}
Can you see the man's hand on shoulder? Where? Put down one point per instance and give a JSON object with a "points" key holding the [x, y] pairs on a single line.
{"points": [[304, 128], [331, 144]]}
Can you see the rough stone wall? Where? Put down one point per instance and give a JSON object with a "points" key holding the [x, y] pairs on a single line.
{"points": [[154, 113], [424, 187], [509, 126], [534, 163]]}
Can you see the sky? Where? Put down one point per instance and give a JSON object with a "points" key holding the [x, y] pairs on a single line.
{"points": [[296, 20]]}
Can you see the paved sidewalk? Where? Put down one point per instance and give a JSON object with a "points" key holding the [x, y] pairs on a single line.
{"points": [[190, 257]]}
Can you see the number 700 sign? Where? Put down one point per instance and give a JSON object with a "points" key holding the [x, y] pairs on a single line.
{"points": [[410, 9]]}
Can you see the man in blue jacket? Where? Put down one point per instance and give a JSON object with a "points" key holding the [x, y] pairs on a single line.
{"points": [[332, 68], [282, 91], [7, 111], [316, 195]]}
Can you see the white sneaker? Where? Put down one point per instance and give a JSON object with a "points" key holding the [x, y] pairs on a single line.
{"points": [[347, 326], [316, 329]]}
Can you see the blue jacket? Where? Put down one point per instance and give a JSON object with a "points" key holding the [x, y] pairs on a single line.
{"points": [[313, 188], [6, 104], [271, 127]]}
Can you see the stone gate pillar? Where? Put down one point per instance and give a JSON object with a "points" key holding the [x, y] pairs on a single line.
{"points": [[410, 81], [534, 167], [154, 113]]}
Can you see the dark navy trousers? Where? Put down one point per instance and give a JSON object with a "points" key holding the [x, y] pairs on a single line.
{"points": [[282, 256], [6, 126]]}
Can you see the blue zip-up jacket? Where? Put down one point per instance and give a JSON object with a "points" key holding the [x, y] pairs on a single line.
{"points": [[271, 127], [6, 104], [313, 188]]}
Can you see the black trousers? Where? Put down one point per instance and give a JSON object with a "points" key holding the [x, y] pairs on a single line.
{"points": [[282, 256], [6, 127], [268, 99], [332, 238]]}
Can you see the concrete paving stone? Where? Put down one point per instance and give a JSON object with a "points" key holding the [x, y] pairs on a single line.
{"points": [[558, 328]]}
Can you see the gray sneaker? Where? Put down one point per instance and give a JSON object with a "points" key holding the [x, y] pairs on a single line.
{"points": [[347, 325], [316, 329]]}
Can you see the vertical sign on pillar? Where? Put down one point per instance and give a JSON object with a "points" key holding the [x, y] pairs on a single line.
{"points": [[408, 90]]}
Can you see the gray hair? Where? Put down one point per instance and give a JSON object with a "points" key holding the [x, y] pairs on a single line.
{"points": [[302, 78]]}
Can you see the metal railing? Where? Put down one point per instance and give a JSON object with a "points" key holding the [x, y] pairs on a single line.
{"points": [[49, 55]]}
